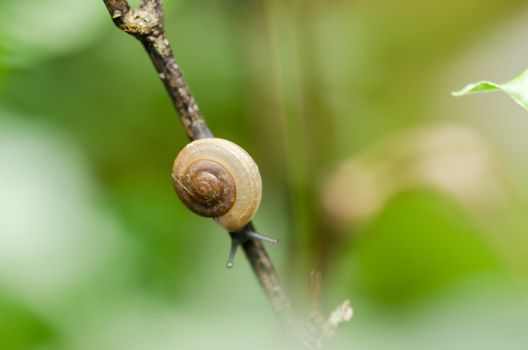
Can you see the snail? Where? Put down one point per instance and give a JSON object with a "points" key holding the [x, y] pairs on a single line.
{"points": [[217, 178]]}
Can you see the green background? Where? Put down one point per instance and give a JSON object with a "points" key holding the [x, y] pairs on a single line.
{"points": [[411, 203]]}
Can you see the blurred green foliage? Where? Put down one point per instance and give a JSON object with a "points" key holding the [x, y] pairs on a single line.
{"points": [[21, 328], [303, 86], [433, 251]]}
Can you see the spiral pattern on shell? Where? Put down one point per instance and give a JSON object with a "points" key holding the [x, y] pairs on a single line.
{"points": [[217, 178]]}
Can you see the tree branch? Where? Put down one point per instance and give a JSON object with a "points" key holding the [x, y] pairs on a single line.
{"points": [[268, 279], [146, 24]]}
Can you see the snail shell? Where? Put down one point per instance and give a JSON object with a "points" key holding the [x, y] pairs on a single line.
{"points": [[219, 179]]}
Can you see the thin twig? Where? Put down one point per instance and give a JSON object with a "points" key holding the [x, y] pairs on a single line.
{"points": [[269, 280], [317, 329], [146, 24]]}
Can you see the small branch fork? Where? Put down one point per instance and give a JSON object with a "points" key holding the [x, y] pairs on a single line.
{"points": [[146, 24]]}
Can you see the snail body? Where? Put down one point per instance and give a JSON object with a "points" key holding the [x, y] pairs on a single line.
{"points": [[219, 179]]}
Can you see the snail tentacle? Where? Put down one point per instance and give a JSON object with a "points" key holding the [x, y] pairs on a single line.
{"points": [[262, 237], [232, 252]]}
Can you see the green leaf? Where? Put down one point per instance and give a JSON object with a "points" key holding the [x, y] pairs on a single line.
{"points": [[517, 89]]}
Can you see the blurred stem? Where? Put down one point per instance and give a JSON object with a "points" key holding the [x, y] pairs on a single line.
{"points": [[146, 24], [283, 48], [303, 104]]}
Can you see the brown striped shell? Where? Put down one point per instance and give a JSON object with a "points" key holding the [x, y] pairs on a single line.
{"points": [[219, 179]]}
